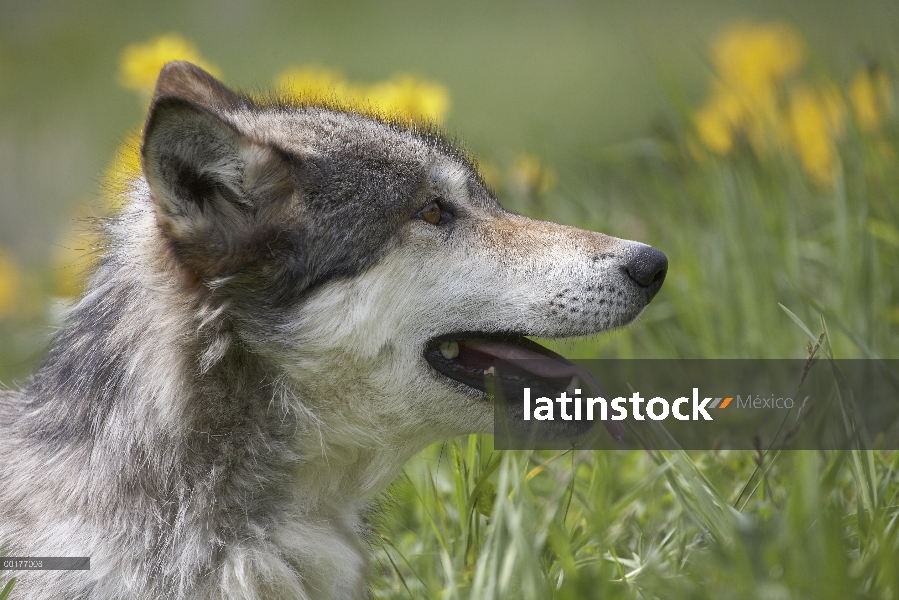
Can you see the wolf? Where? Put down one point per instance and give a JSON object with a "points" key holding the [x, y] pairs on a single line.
{"points": [[294, 300]]}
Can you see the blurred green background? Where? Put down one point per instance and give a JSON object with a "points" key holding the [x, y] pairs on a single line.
{"points": [[762, 158]]}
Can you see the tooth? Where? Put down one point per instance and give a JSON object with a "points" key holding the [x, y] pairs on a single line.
{"points": [[574, 388], [490, 371], [449, 350]]}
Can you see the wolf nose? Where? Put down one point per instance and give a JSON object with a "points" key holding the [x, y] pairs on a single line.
{"points": [[647, 267]]}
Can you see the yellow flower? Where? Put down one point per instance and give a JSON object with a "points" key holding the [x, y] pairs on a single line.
{"points": [[407, 97], [815, 118], [751, 57], [10, 279], [403, 97], [140, 64], [718, 119], [753, 99], [531, 176], [728, 114], [317, 84], [751, 61], [871, 94], [124, 168]]}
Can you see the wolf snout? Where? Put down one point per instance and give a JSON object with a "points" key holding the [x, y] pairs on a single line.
{"points": [[647, 268]]}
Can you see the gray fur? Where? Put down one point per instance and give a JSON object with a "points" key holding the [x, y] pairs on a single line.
{"points": [[245, 370]]}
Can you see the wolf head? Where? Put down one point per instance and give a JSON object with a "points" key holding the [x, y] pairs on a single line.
{"points": [[366, 262]]}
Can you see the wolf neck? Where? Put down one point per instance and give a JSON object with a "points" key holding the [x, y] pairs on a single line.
{"points": [[146, 371]]}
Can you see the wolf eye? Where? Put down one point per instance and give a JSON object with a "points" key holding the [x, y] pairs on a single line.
{"points": [[433, 213]]}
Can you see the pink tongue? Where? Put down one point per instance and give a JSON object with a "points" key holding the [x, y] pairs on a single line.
{"points": [[543, 366]]}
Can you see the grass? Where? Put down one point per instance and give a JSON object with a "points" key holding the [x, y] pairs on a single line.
{"points": [[636, 524]]}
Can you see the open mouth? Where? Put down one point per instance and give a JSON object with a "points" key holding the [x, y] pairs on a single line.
{"points": [[510, 362]]}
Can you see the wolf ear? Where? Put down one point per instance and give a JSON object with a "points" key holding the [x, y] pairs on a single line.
{"points": [[217, 191], [190, 82]]}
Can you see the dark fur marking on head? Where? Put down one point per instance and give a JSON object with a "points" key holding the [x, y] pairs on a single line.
{"points": [[199, 188]]}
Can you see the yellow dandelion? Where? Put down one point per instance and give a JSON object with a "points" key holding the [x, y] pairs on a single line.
{"points": [[10, 282], [714, 130], [719, 118], [757, 96], [404, 96], [140, 64], [871, 94], [815, 120], [532, 176], [317, 84], [753, 56], [408, 97], [124, 168], [751, 63]]}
